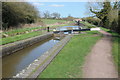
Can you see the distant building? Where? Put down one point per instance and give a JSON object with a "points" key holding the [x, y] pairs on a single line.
{"points": [[77, 21]]}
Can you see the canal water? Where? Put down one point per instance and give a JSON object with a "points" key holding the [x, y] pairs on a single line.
{"points": [[68, 27], [14, 63], [18, 61]]}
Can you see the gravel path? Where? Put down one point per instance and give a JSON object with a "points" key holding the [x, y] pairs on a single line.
{"points": [[99, 63]]}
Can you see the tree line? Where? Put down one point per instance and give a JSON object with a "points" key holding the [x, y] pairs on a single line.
{"points": [[107, 14], [16, 13], [53, 15]]}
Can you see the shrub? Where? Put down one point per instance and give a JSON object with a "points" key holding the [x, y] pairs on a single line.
{"points": [[15, 13], [92, 20]]}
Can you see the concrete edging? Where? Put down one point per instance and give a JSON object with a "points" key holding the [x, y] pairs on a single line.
{"points": [[13, 47], [43, 61]]}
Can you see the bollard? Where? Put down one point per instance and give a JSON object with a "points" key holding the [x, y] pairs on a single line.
{"points": [[48, 29], [79, 29]]}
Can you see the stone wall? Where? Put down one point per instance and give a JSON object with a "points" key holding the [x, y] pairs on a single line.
{"points": [[13, 47]]}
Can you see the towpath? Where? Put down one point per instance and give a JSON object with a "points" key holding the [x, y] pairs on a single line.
{"points": [[99, 63]]}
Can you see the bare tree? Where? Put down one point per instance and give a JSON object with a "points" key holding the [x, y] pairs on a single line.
{"points": [[47, 14], [55, 15]]}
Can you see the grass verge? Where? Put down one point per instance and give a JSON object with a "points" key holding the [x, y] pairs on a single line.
{"points": [[108, 30], [68, 63], [19, 37], [116, 52], [88, 25], [20, 30], [91, 33]]}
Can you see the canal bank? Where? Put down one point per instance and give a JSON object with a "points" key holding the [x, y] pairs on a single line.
{"points": [[14, 63], [38, 65], [16, 46]]}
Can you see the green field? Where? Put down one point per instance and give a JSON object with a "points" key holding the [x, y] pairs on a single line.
{"points": [[52, 21], [68, 63]]}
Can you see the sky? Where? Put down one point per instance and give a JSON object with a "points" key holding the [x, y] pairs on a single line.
{"points": [[75, 9]]}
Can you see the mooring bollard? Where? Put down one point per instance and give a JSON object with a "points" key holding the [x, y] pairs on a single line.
{"points": [[79, 29], [48, 29]]}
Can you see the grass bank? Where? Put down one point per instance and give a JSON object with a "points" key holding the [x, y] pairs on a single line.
{"points": [[111, 32], [19, 37], [115, 52], [52, 21], [20, 34], [15, 31], [68, 63], [20, 31], [87, 25]]}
